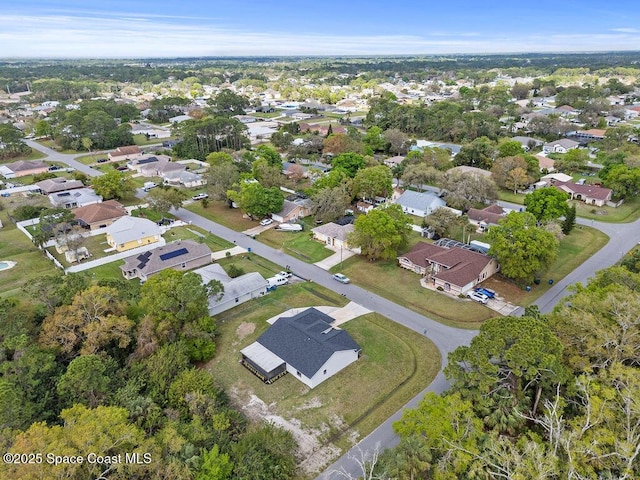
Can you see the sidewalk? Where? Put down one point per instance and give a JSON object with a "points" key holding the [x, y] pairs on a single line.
{"points": [[335, 259]]}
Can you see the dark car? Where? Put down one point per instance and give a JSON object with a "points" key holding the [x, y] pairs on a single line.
{"points": [[102, 160], [485, 291]]}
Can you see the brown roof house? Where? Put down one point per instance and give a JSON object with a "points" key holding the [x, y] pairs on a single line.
{"points": [[455, 270], [59, 184], [292, 210], [181, 255], [99, 215], [22, 168], [129, 152], [486, 217], [589, 194]]}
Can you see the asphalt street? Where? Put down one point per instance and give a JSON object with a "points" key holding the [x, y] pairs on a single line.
{"points": [[623, 237]]}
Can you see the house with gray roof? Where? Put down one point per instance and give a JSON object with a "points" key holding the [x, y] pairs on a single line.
{"points": [[306, 345], [419, 204], [181, 177], [560, 146], [292, 210], [132, 232], [181, 255], [334, 235], [58, 184], [236, 290], [79, 197]]}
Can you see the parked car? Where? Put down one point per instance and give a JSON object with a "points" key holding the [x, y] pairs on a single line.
{"points": [[54, 167], [285, 274], [485, 291], [341, 278], [478, 297], [266, 221], [200, 196], [102, 160]]}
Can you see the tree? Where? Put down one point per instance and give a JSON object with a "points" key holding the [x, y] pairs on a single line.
{"points": [[349, 162], [270, 155], [573, 161], [329, 204], [522, 248], [86, 381], [113, 185], [218, 158], [264, 453], [268, 175], [94, 321], [11, 142], [215, 465], [340, 143], [511, 172], [510, 148], [520, 90], [210, 134], [164, 199], [420, 174], [623, 180], [228, 103], [479, 154], [375, 140], [547, 204], [373, 182], [256, 200], [398, 142], [381, 232], [569, 220], [441, 221], [463, 190], [221, 178]]}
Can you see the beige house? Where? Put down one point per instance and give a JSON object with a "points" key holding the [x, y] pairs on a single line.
{"points": [[129, 152], [131, 232], [455, 270], [22, 168], [181, 255], [334, 235], [293, 210], [99, 215]]}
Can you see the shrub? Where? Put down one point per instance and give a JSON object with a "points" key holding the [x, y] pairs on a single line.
{"points": [[234, 271]]}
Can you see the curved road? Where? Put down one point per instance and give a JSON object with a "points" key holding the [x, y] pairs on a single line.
{"points": [[622, 238]]}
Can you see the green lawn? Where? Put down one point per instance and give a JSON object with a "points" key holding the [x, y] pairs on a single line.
{"points": [[395, 365], [54, 146], [403, 287], [629, 211], [219, 212], [31, 262], [142, 140], [296, 244], [34, 155], [508, 196], [250, 262], [90, 159], [110, 271], [187, 233]]}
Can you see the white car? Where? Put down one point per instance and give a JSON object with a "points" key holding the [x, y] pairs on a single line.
{"points": [[266, 221], [341, 278], [285, 274], [200, 196], [478, 297]]}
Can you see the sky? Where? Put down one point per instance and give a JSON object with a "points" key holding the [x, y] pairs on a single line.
{"points": [[188, 28]]}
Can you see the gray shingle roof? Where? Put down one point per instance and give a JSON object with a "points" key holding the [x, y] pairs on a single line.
{"points": [[306, 341]]}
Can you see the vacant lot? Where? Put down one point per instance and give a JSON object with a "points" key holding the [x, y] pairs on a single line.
{"points": [[220, 212], [15, 246], [296, 244], [395, 365]]}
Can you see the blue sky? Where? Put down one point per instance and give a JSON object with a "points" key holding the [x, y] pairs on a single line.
{"points": [[180, 28]]}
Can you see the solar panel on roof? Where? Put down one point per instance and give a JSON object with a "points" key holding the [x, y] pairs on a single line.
{"points": [[176, 253], [147, 160]]}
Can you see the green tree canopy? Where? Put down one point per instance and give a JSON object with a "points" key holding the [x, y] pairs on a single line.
{"points": [[522, 248], [256, 200], [373, 182], [381, 232], [349, 162], [113, 185], [547, 204]]}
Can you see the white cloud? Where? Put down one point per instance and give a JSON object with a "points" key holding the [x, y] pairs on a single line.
{"points": [[137, 35]]}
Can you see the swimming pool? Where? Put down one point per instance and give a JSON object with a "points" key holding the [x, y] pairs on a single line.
{"points": [[6, 265]]}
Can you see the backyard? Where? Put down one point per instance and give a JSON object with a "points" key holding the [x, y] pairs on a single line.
{"points": [[296, 244], [395, 365]]}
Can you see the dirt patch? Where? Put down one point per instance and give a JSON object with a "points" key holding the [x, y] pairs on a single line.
{"points": [[245, 329], [312, 455]]}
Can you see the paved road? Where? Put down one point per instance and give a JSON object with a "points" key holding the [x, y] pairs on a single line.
{"points": [[67, 158], [622, 238]]}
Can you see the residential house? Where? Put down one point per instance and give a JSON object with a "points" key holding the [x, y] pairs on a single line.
{"points": [[127, 153], [22, 168], [99, 215], [59, 184], [334, 235], [455, 270], [132, 232], [305, 345], [528, 143], [589, 194], [560, 146], [486, 217], [419, 204], [585, 136], [183, 178], [556, 177], [149, 162], [293, 210], [394, 161], [236, 290], [545, 164], [80, 197], [181, 255]]}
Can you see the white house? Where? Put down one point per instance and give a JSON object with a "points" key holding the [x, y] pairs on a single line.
{"points": [[334, 235], [305, 345], [560, 146], [236, 290], [419, 204]]}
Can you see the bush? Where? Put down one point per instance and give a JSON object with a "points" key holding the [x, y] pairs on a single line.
{"points": [[234, 271], [27, 212]]}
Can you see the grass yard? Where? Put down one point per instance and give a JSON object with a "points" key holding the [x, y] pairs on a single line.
{"points": [[575, 248], [296, 244], [187, 233], [629, 211], [91, 159], [395, 365], [110, 271], [34, 155], [509, 196], [54, 146], [142, 140], [250, 262], [403, 287], [219, 212], [31, 263]]}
